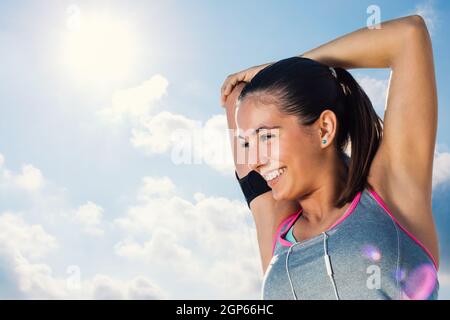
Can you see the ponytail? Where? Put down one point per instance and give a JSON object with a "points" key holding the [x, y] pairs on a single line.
{"points": [[365, 130]]}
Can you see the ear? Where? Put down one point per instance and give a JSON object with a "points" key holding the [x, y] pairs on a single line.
{"points": [[327, 127]]}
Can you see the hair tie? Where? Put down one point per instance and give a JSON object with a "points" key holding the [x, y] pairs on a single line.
{"points": [[345, 88], [333, 72]]}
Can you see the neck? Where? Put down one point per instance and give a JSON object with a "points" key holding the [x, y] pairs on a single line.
{"points": [[318, 205]]}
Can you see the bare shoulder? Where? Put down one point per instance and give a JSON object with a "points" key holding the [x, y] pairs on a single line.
{"points": [[274, 211], [410, 205], [284, 210], [268, 213]]}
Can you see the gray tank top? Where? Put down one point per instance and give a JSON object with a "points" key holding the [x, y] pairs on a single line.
{"points": [[366, 254]]}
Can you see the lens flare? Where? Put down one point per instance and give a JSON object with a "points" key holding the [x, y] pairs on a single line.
{"points": [[400, 274], [420, 282], [371, 252]]}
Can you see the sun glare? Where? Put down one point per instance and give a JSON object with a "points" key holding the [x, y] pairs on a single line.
{"points": [[98, 48]]}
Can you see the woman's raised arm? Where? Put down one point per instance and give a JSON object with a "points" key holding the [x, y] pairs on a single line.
{"points": [[404, 162]]}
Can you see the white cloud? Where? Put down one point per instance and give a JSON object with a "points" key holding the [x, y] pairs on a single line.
{"points": [[441, 168], [89, 216], [162, 251], [444, 278], [37, 281], [105, 287], [187, 140], [25, 246], [164, 132], [50, 205], [246, 284], [30, 179], [137, 102], [208, 241], [376, 90], [143, 217], [215, 146], [155, 186], [141, 288], [21, 242], [426, 10], [444, 285], [156, 135], [18, 237]]}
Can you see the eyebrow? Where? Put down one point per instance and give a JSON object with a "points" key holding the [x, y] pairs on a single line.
{"points": [[263, 127]]}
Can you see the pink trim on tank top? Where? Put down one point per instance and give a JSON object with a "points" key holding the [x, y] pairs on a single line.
{"points": [[384, 206], [281, 225], [346, 214]]}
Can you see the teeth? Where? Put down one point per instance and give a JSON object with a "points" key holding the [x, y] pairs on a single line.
{"points": [[273, 174]]}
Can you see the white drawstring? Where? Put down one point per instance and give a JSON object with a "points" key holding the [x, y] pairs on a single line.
{"points": [[327, 265], [287, 271]]}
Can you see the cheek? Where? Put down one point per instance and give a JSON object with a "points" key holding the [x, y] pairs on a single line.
{"points": [[299, 162], [274, 150], [289, 152]]}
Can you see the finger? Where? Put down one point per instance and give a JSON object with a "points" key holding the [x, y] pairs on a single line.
{"points": [[240, 77], [222, 99], [226, 89], [230, 86], [226, 82], [222, 89]]}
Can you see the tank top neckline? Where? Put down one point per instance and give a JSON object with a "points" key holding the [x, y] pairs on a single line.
{"points": [[297, 215], [373, 195]]}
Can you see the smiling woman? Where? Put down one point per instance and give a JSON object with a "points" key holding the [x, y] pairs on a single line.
{"points": [[364, 227], [98, 47]]}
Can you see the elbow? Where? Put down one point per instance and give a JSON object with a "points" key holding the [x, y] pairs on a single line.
{"points": [[416, 20], [416, 27], [414, 37]]}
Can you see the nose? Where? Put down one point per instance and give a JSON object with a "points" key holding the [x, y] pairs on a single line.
{"points": [[256, 158]]}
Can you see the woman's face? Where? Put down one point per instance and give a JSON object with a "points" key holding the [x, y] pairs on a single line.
{"points": [[280, 147]]}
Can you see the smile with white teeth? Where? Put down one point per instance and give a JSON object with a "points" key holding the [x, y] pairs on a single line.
{"points": [[273, 174]]}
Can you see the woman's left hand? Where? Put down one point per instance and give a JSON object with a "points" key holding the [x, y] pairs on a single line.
{"points": [[233, 79]]}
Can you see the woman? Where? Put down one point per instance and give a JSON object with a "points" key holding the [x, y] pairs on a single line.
{"points": [[334, 226]]}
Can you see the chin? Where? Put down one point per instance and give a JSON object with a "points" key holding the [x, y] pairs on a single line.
{"points": [[283, 195], [277, 195]]}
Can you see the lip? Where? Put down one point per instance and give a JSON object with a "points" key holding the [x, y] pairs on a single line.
{"points": [[273, 182], [268, 171]]}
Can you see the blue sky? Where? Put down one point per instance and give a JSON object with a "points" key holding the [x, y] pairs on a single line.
{"points": [[92, 204]]}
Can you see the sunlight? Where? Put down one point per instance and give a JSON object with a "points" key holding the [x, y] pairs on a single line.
{"points": [[98, 48]]}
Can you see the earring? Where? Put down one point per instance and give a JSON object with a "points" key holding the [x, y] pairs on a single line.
{"points": [[324, 141]]}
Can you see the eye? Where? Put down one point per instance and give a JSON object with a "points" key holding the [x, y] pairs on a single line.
{"points": [[244, 145], [266, 136]]}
